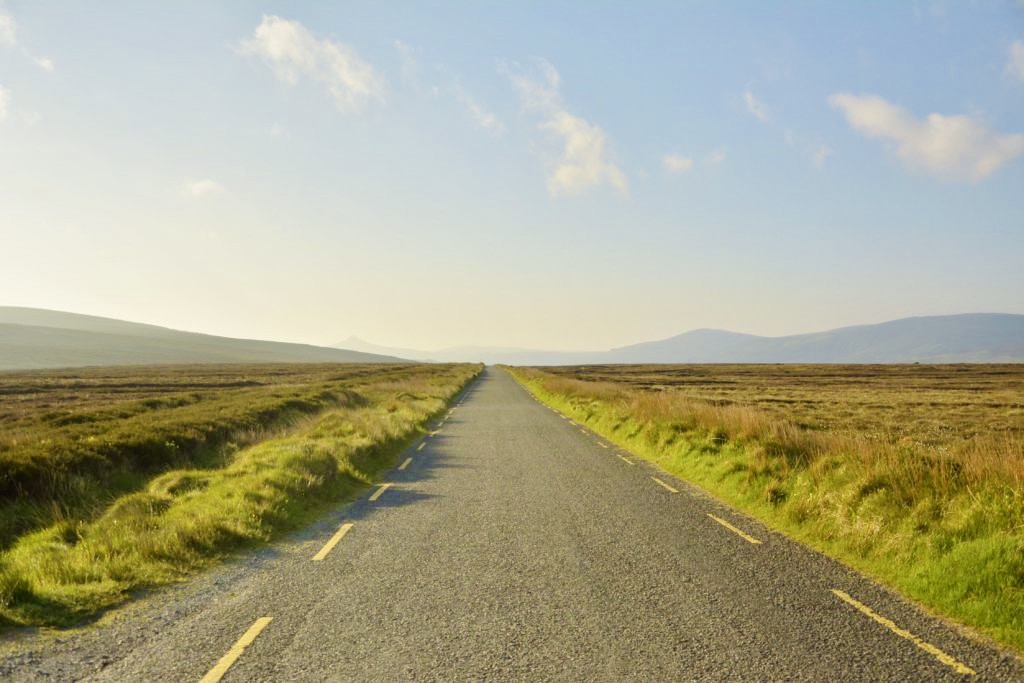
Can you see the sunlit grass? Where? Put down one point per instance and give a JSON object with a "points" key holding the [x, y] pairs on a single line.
{"points": [[187, 518]]}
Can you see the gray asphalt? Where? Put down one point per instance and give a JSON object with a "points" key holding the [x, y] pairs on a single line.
{"points": [[516, 547]]}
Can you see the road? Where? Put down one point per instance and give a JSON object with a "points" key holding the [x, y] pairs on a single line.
{"points": [[514, 545]]}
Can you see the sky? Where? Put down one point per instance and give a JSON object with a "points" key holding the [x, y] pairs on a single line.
{"points": [[568, 175]]}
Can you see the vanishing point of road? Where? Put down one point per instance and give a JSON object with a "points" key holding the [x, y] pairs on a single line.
{"points": [[513, 544]]}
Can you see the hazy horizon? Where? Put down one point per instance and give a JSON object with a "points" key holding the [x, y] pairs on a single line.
{"points": [[568, 177]]}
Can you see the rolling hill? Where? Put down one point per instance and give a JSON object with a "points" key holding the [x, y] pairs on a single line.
{"points": [[965, 338], [36, 338]]}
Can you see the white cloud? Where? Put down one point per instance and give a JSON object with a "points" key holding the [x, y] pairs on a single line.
{"points": [[483, 118], [8, 35], [202, 188], [755, 106], [956, 147], [5, 99], [718, 156], [821, 155], [583, 161], [677, 163], [292, 52], [44, 63], [1015, 60]]}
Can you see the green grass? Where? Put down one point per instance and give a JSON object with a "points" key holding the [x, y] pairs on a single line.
{"points": [[71, 441], [184, 519], [946, 531]]}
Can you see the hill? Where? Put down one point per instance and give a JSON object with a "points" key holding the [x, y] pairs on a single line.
{"points": [[36, 338], [965, 338]]}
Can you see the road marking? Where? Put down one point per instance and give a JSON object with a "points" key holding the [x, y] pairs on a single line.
{"points": [[946, 659], [630, 462], [221, 668], [405, 464], [329, 546], [380, 491], [563, 417], [745, 536], [434, 433], [421, 446], [664, 485], [602, 444]]}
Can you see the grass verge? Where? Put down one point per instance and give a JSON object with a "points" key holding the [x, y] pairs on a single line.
{"points": [[187, 519], [946, 532]]}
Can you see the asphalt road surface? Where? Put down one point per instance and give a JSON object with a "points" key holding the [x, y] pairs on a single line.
{"points": [[515, 545]]}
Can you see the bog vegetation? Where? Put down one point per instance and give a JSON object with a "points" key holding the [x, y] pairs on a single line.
{"points": [[114, 479], [914, 474]]}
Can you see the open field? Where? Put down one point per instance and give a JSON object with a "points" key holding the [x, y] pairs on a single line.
{"points": [[914, 474], [120, 478]]}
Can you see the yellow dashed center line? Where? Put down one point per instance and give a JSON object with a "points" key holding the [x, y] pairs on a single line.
{"points": [[745, 536], [422, 445], [948, 660], [329, 546], [405, 464], [380, 491], [664, 485], [629, 462], [221, 668]]}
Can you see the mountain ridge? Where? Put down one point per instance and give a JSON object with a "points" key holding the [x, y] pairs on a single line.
{"points": [[956, 338]]}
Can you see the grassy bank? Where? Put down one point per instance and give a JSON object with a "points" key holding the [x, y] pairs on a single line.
{"points": [[943, 525], [184, 518]]}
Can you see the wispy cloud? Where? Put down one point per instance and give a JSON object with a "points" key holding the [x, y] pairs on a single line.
{"points": [[44, 63], [717, 156], [202, 188], [754, 105], [483, 118], [292, 52], [8, 31], [956, 147], [410, 65], [821, 155], [583, 162], [677, 163], [1015, 60], [5, 99]]}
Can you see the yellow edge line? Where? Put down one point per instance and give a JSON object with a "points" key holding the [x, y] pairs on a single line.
{"points": [[948, 660], [379, 492], [329, 546], [405, 464], [221, 668], [421, 446], [628, 462], [745, 536], [663, 484], [602, 445]]}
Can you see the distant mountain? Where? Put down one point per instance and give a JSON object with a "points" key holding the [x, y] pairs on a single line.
{"points": [[37, 338], [966, 338]]}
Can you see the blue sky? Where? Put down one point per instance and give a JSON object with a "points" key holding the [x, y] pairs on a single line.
{"points": [[577, 175]]}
